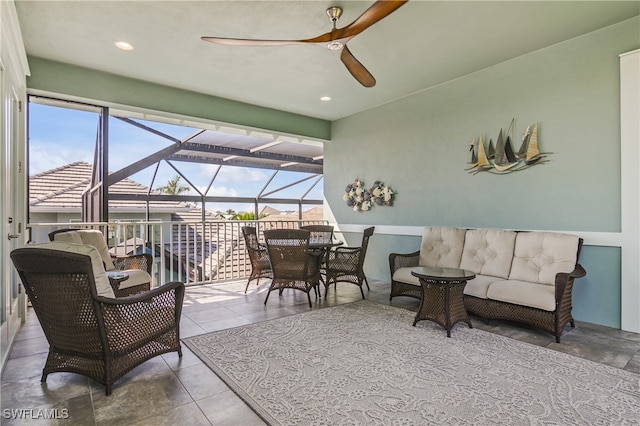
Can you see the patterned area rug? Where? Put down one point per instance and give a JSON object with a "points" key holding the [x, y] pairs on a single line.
{"points": [[363, 363]]}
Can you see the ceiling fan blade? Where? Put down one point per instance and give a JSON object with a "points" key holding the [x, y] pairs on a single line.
{"points": [[357, 70], [250, 42], [379, 10]]}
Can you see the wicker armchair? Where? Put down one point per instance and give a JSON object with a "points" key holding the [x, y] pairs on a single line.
{"points": [[137, 266], [292, 264], [95, 335], [260, 265], [346, 264]]}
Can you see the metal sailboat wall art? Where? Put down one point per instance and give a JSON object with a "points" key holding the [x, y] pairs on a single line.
{"points": [[503, 159]]}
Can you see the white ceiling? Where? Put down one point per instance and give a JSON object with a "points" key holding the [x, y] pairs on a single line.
{"points": [[422, 44]]}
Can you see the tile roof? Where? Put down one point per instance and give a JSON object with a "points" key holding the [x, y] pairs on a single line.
{"points": [[60, 190]]}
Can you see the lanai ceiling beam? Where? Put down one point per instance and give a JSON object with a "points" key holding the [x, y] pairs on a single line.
{"points": [[304, 168], [217, 149]]}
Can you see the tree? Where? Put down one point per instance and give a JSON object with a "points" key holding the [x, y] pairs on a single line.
{"points": [[173, 186]]}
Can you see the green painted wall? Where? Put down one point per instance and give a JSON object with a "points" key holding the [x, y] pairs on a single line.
{"points": [[419, 145], [57, 77]]}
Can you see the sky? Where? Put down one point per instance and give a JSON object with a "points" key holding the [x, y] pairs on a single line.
{"points": [[59, 136]]}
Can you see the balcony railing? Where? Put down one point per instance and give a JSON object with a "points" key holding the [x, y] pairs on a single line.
{"points": [[192, 252]]}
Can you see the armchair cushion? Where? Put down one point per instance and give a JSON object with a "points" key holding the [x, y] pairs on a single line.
{"points": [[95, 238], [404, 275], [136, 277], [103, 288], [69, 237]]}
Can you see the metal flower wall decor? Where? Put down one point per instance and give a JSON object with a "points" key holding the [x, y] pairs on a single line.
{"points": [[359, 198], [502, 158]]}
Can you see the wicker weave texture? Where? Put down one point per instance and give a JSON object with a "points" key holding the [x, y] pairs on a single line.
{"points": [[442, 303], [258, 256], [346, 264], [97, 337], [291, 262]]}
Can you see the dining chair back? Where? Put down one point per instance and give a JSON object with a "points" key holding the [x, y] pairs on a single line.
{"points": [[346, 264], [260, 265], [291, 261], [319, 233]]}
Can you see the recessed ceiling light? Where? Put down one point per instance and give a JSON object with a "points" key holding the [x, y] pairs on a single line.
{"points": [[325, 98], [123, 45]]}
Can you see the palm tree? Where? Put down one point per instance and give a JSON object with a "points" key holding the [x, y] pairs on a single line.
{"points": [[173, 186]]}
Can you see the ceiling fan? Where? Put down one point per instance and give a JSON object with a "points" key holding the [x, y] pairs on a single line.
{"points": [[336, 39]]}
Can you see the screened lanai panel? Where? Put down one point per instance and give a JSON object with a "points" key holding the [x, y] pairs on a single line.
{"points": [[215, 147]]}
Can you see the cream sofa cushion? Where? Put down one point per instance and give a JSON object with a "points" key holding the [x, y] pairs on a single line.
{"points": [[488, 252], [136, 277], [95, 238], [524, 293], [539, 256], [103, 288], [441, 246], [404, 275], [479, 286]]}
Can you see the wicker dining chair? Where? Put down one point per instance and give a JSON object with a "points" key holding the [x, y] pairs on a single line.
{"points": [[346, 264], [260, 265], [319, 232], [292, 264], [89, 331], [137, 266]]}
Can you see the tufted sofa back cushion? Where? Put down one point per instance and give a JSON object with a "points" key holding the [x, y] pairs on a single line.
{"points": [[488, 252], [539, 256], [442, 246]]}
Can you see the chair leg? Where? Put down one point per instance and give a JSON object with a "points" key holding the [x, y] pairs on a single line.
{"points": [[366, 282], [245, 289], [361, 292], [309, 297], [267, 298]]}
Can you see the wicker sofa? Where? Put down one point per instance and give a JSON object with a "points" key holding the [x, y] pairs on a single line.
{"points": [[520, 276]]}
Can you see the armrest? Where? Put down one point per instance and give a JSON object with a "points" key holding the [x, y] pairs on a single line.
{"points": [[564, 281], [137, 261], [403, 260], [133, 318], [347, 250]]}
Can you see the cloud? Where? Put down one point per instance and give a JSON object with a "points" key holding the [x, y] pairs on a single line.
{"points": [[217, 191], [230, 174], [42, 159]]}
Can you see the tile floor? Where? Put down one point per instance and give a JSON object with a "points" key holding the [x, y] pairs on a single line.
{"points": [[171, 391]]}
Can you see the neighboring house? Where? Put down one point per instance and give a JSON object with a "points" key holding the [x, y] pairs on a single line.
{"points": [[214, 250], [55, 196]]}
